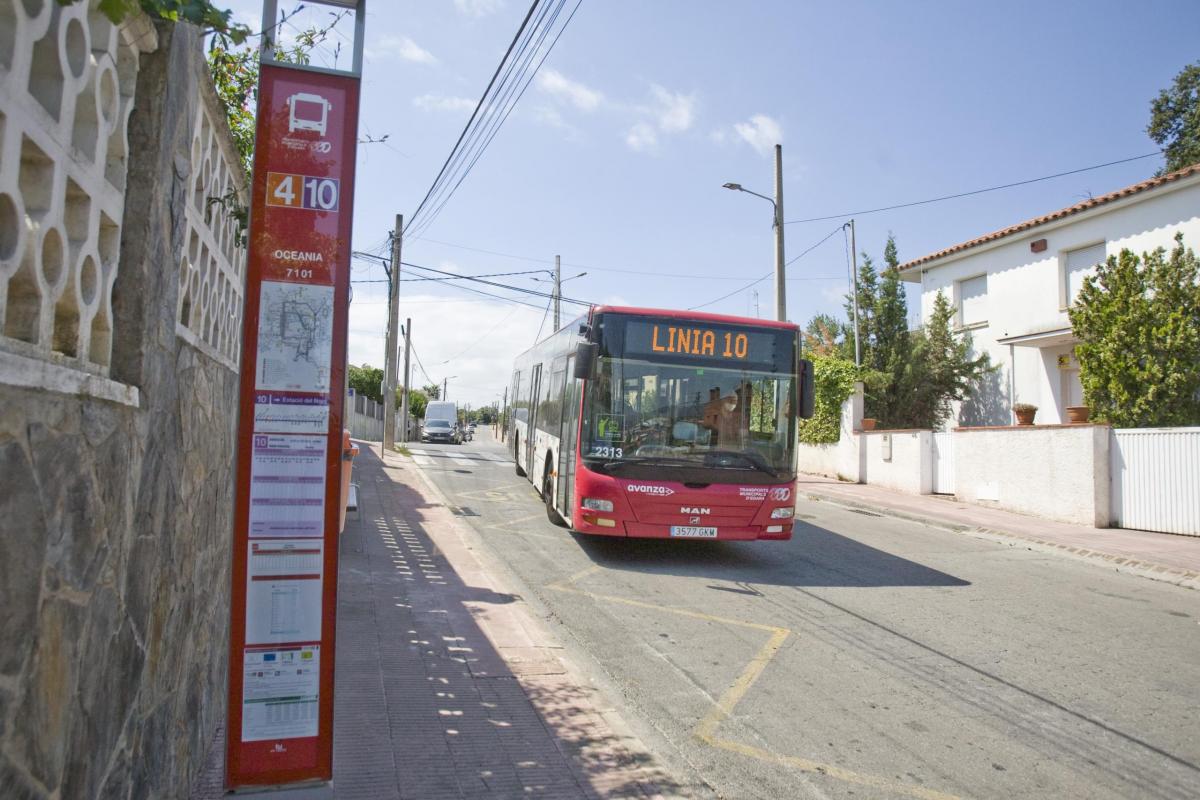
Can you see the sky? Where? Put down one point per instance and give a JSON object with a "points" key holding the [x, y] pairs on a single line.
{"points": [[615, 157]]}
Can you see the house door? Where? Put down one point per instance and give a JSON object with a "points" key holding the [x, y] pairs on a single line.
{"points": [[1072, 390], [943, 463]]}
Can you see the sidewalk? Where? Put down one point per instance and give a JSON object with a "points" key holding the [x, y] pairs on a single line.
{"points": [[1161, 556], [447, 686]]}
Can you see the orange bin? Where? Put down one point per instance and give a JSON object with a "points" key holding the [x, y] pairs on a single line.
{"points": [[349, 451]]}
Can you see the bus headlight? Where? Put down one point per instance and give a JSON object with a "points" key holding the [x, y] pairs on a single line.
{"points": [[783, 513], [595, 504]]}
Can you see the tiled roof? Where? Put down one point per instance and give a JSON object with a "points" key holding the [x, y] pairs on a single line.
{"points": [[1137, 188]]}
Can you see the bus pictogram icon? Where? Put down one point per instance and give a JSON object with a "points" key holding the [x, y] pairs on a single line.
{"points": [[308, 112]]}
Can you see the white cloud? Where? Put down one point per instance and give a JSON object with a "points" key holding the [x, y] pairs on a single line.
{"points": [[479, 337], [675, 112], [760, 132], [402, 47], [439, 102], [478, 8], [642, 137], [719, 136], [558, 85], [551, 118]]}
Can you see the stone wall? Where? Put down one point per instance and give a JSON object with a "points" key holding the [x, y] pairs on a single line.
{"points": [[116, 482]]}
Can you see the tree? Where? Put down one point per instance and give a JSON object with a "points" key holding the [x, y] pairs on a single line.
{"points": [[367, 381], [941, 369], [1138, 322], [417, 402], [824, 336], [891, 350], [1175, 120], [432, 391], [868, 285]]}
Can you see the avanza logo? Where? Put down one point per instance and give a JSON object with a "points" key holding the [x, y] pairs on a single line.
{"points": [[697, 510], [643, 488]]}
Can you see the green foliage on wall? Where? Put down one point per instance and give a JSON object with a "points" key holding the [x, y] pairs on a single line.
{"points": [[834, 378], [1138, 321]]}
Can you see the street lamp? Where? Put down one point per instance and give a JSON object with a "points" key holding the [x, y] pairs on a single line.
{"points": [[777, 217]]}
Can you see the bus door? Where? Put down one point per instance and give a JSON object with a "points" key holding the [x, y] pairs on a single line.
{"points": [[535, 384], [568, 432]]}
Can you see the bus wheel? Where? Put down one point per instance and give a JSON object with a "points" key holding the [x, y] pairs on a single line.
{"points": [[517, 455], [548, 496]]}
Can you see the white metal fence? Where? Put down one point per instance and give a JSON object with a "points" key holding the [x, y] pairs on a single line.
{"points": [[364, 418], [943, 463], [1156, 479]]}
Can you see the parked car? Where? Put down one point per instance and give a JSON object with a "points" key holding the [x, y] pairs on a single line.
{"points": [[441, 430]]}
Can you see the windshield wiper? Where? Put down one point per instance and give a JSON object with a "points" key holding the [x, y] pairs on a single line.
{"points": [[753, 459], [610, 463]]}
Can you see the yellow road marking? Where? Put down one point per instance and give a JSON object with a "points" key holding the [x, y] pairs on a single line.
{"points": [[706, 729]]}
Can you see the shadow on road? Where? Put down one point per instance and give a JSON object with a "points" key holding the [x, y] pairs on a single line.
{"points": [[815, 557]]}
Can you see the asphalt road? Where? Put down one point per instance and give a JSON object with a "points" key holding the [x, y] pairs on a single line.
{"points": [[867, 657]]}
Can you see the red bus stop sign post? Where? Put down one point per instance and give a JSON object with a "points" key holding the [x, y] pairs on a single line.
{"points": [[283, 605]]}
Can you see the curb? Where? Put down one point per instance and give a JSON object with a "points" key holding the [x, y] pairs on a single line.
{"points": [[1144, 569]]}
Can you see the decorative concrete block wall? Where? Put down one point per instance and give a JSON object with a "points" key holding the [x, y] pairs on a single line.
{"points": [[116, 409], [67, 79]]}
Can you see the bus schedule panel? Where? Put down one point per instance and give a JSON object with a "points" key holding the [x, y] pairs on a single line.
{"points": [[684, 341], [283, 593]]}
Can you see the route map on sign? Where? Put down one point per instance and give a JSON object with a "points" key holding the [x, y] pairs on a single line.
{"points": [[295, 335]]}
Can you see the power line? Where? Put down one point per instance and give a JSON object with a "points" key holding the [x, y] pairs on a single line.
{"points": [[646, 273], [973, 192], [475, 279], [769, 274], [474, 114], [527, 76], [503, 87], [538, 335]]}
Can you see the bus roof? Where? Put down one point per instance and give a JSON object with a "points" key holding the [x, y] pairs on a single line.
{"points": [[696, 315]]}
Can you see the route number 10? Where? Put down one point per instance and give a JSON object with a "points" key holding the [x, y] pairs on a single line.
{"points": [[302, 191]]}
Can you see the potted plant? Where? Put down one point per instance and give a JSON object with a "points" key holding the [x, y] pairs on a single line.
{"points": [[1077, 414], [868, 423], [1025, 413]]}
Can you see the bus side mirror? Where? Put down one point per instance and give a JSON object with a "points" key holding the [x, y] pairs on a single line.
{"points": [[585, 354], [807, 389]]}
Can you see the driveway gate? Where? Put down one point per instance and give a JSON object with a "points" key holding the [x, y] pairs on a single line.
{"points": [[943, 463], [1156, 479]]}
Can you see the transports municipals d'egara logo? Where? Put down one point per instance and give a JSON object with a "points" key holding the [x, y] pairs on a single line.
{"points": [[781, 493]]}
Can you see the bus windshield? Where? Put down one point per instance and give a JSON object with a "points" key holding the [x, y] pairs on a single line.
{"points": [[688, 412]]}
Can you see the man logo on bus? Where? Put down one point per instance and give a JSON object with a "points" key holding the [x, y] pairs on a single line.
{"points": [[781, 493]]}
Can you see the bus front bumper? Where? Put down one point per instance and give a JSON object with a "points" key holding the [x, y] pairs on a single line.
{"points": [[589, 523]]}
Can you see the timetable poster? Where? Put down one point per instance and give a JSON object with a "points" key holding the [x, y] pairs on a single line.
{"points": [[280, 692], [283, 591], [287, 485]]}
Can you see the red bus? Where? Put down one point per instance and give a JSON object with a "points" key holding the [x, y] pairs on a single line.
{"points": [[670, 424]]}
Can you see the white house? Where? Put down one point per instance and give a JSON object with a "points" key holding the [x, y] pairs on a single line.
{"points": [[1011, 288]]}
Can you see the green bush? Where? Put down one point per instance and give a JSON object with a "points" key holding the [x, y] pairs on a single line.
{"points": [[834, 378], [1138, 323]]}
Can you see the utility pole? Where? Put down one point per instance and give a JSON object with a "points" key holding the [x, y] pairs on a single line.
{"points": [[445, 381], [389, 361], [780, 282], [407, 378], [502, 414], [557, 288], [854, 274]]}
